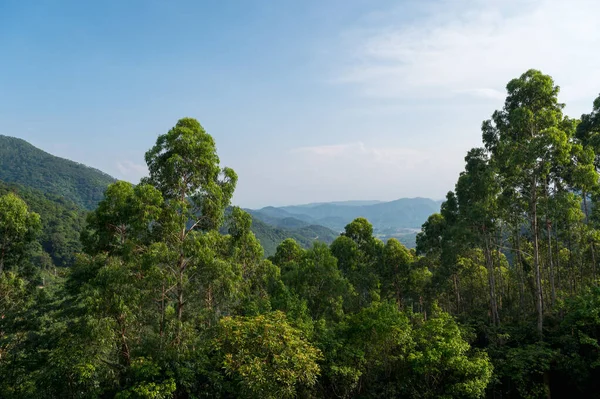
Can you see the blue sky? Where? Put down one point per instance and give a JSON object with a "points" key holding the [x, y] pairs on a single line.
{"points": [[307, 100]]}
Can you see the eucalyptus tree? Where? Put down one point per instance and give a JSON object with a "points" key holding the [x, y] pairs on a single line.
{"points": [[526, 138], [358, 255], [184, 167], [476, 191]]}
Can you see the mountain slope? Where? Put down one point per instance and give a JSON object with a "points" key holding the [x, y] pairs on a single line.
{"points": [[26, 165], [270, 236], [62, 222]]}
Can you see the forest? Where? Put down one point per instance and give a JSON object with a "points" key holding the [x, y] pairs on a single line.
{"points": [[164, 291]]}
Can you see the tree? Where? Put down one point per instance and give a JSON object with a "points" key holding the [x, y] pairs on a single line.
{"points": [[526, 139], [184, 167], [395, 273], [265, 356], [18, 229], [358, 254]]}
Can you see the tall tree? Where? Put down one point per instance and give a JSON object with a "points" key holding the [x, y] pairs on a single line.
{"points": [[526, 139]]}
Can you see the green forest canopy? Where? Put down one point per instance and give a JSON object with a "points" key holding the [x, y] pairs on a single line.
{"points": [[499, 299], [24, 164]]}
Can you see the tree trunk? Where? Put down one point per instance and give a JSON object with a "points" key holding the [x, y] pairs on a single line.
{"points": [[2, 255], [521, 273], [585, 207], [492, 283], [162, 312], [550, 261], [457, 292], [557, 246], [536, 259]]}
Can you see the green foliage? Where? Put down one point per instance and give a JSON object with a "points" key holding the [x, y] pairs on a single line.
{"points": [[265, 356], [18, 229], [270, 237], [23, 164], [173, 296], [442, 364], [62, 222]]}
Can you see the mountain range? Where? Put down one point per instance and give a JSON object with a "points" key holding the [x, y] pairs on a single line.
{"points": [[72, 188], [401, 218]]}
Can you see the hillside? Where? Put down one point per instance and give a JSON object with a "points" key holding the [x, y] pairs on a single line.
{"points": [[62, 222], [26, 165], [270, 236]]}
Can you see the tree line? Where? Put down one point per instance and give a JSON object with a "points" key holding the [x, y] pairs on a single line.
{"points": [[499, 299]]}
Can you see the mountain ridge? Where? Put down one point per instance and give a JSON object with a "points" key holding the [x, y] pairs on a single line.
{"points": [[23, 163], [54, 185]]}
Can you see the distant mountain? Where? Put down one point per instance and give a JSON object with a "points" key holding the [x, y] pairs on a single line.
{"points": [[401, 218], [340, 203], [57, 186], [26, 165], [401, 213]]}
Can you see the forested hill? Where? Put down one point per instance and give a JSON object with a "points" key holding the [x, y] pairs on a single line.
{"points": [[271, 236], [402, 213], [62, 222], [24, 164], [61, 191]]}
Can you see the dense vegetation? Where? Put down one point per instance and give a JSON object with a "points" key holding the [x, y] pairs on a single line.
{"points": [[62, 222], [62, 191], [306, 235], [500, 297], [24, 164]]}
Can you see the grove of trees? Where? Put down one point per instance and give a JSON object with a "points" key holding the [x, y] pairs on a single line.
{"points": [[500, 299]]}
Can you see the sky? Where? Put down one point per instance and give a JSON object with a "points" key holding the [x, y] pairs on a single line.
{"points": [[309, 101]]}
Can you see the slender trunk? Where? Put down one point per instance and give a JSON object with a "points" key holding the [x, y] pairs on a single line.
{"points": [[536, 259], [557, 246], [125, 354], [571, 272], [551, 263], [162, 312], [180, 297], [593, 249], [2, 255], [455, 278], [492, 282], [422, 308], [180, 270], [501, 283], [521, 273]]}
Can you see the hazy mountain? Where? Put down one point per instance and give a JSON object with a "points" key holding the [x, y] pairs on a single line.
{"points": [[401, 218], [24, 164], [404, 213], [340, 203]]}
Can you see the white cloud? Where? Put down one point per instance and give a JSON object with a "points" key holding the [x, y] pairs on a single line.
{"points": [[473, 47], [357, 171], [131, 171], [363, 155]]}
